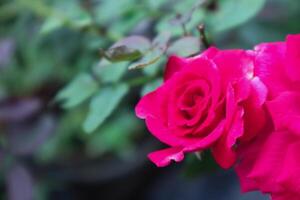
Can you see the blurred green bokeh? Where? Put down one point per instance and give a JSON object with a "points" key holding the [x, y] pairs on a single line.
{"points": [[64, 104]]}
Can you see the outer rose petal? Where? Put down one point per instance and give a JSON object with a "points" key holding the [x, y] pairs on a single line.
{"points": [[293, 57], [262, 165], [242, 171], [269, 161], [269, 67], [285, 196], [174, 65], [145, 106], [259, 92], [164, 157], [234, 119], [237, 128], [210, 53], [223, 151], [285, 111], [234, 65], [248, 154], [189, 143], [290, 172], [224, 156], [255, 116], [162, 133]]}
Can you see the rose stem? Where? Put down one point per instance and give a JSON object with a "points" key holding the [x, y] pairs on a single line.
{"points": [[201, 29]]}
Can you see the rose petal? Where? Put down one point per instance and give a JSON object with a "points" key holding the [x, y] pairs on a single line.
{"points": [[255, 119], [285, 196], [184, 101], [242, 171], [236, 129], [174, 65], [269, 67], [231, 105], [161, 132], [285, 111], [207, 141], [164, 157], [259, 92], [248, 154], [293, 57], [145, 106], [253, 153], [290, 173], [242, 89], [255, 115], [207, 54], [234, 65], [269, 161], [224, 156], [223, 151]]}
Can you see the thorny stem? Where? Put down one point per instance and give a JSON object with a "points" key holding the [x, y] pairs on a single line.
{"points": [[203, 38]]}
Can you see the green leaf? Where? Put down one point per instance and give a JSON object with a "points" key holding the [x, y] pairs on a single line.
{"points": [[176, 29], [80, 18], [231, 13], [150, 58], [115, 136], [156, 4], [65, 13], [110, 72], [159, 46], [51, 24], [185, 46], [187, 5], [81, 88], [127, 49], [73, 13], [102, 105], [108, 11], [124, 25], [156, 67], [161, 41], [134, 42], [121, 53], [151, 86]]}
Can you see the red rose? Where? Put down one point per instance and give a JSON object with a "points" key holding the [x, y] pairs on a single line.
{"points": [[208, 101], [271, 163]]}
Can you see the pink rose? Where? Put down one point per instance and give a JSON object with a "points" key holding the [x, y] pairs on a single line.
{"points": [[277, 65], [208, 101], [271, 163]]}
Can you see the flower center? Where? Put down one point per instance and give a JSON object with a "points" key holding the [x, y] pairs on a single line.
{"points": [[192, 97]]}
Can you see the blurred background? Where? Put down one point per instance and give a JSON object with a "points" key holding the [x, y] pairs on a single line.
{"points": [[67, 123]]}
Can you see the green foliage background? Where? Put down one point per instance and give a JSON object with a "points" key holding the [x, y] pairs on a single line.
{"points": [[65, 89]]}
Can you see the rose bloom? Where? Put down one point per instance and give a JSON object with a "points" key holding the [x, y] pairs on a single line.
{"points": [[271, 163], [209, 101]]}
